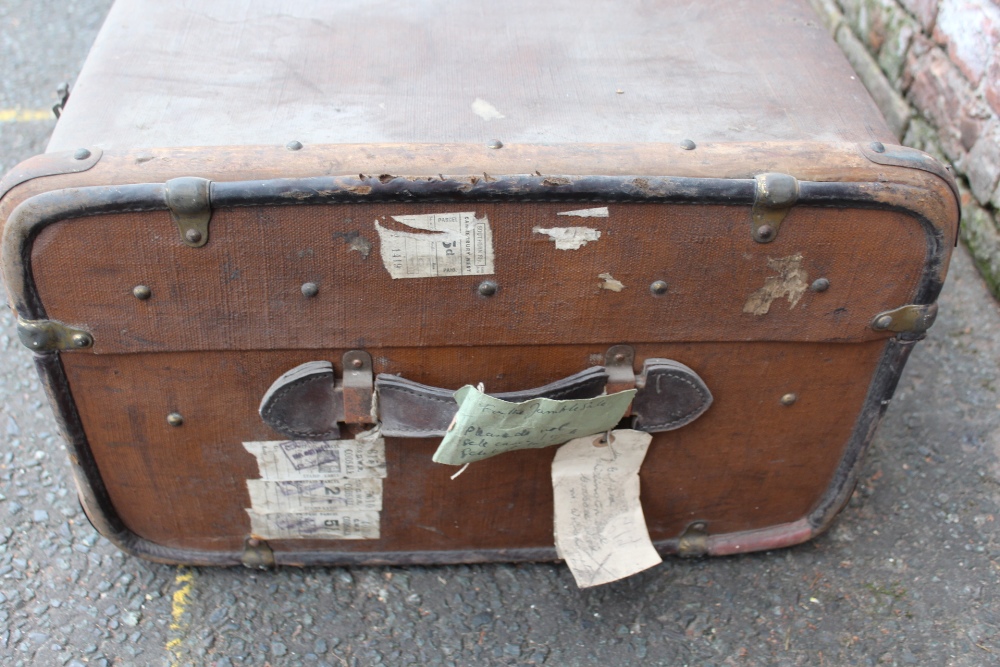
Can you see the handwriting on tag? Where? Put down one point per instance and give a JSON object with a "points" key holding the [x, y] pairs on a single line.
{"points": [[486, 426], [600, 530]]}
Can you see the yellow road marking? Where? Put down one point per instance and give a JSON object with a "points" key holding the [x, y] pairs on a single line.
{"points": [[178, 624], [25, 115]]}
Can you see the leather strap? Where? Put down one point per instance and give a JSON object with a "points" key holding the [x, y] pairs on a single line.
{"points": [[306, 402], [412, 410]]}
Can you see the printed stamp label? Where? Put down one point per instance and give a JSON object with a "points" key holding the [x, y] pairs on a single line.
{"points": [[358, 525], [447, 244]]}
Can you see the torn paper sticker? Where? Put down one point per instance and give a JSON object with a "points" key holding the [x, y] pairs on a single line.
{"points": [[310, 495], [486, 426], [569, 238], [608, 282], [601, 212], [600, 530], [358, 525], [485, 110], [451, 244], [791, 281], [319, 459]]}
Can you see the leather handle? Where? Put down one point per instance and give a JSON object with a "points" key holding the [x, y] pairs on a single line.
{"points": [[412, 410], [307, 402]]}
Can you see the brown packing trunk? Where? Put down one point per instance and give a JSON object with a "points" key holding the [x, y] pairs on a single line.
{"points": [[204, 221]]}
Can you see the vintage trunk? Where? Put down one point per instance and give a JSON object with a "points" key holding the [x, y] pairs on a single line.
{"points": [[216, 208]]}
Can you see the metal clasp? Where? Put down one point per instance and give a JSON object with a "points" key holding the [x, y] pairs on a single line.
{"points": [[358, 388], [909, 319], [189, 201], [618, 362], [47, 335], [774, 197], [694, 540]]}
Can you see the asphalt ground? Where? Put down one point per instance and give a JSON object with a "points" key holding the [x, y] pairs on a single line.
{"points": [[907, 576]]}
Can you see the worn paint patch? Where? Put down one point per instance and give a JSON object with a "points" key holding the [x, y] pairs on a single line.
{"points": [[485, 110], [356, 243], [608, 282], [569, 238], [448, 244], [792, 282], [600, 212]]}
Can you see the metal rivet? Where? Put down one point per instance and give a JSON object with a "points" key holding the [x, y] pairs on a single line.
{"points": [[82, 340], [789, 399], [357, 363], [765, 233], [253, 542], [688, 145], [141, 292], [488, 288], [883, 323], [878, 146], [294, 145], [192, 235], [495, 144], [310, 289], [619, 357], [175, 419], [820, 285], [658, 287], [81, 154]]}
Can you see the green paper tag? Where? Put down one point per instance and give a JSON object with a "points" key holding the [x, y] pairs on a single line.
{"points": [[486, 426]]}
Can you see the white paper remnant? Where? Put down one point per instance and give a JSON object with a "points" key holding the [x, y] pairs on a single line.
{"points": [[319, 459], [451, 244], [308, 495], [600, 530], [326, 489], [600, 212], [485, 110], [569, 238], [318, 525], [608, 282]]}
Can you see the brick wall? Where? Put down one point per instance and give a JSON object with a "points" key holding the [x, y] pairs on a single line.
{"points": [[933, 66]]}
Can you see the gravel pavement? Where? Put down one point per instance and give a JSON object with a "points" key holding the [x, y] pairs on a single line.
{"points": [[907, 576]]}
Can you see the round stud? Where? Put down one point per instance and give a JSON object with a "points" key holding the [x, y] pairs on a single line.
{"points": [[883, 323], [81, 154], [310, 289], [141, 292], [495, 144], [878, 146], [175, 419], [820, 285], [253, 542], [488, 288], [357, 363], [765, 233], [294, 145], [659, 287], [619, 357], [688, 145], [82, 340], [789, 399], [192, 236]]}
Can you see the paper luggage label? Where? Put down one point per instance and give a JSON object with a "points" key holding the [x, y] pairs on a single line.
{"points": [[327, 489], [600, 530], [486, 426], [448, 244]]}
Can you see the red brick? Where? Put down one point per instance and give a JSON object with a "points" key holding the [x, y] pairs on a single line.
{"points": [[924, 10], [970, 29], [943, 96], [991, 88]]}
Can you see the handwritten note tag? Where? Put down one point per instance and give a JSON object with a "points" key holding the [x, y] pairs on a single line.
{"points": [[599, 527], [486, 426]]}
